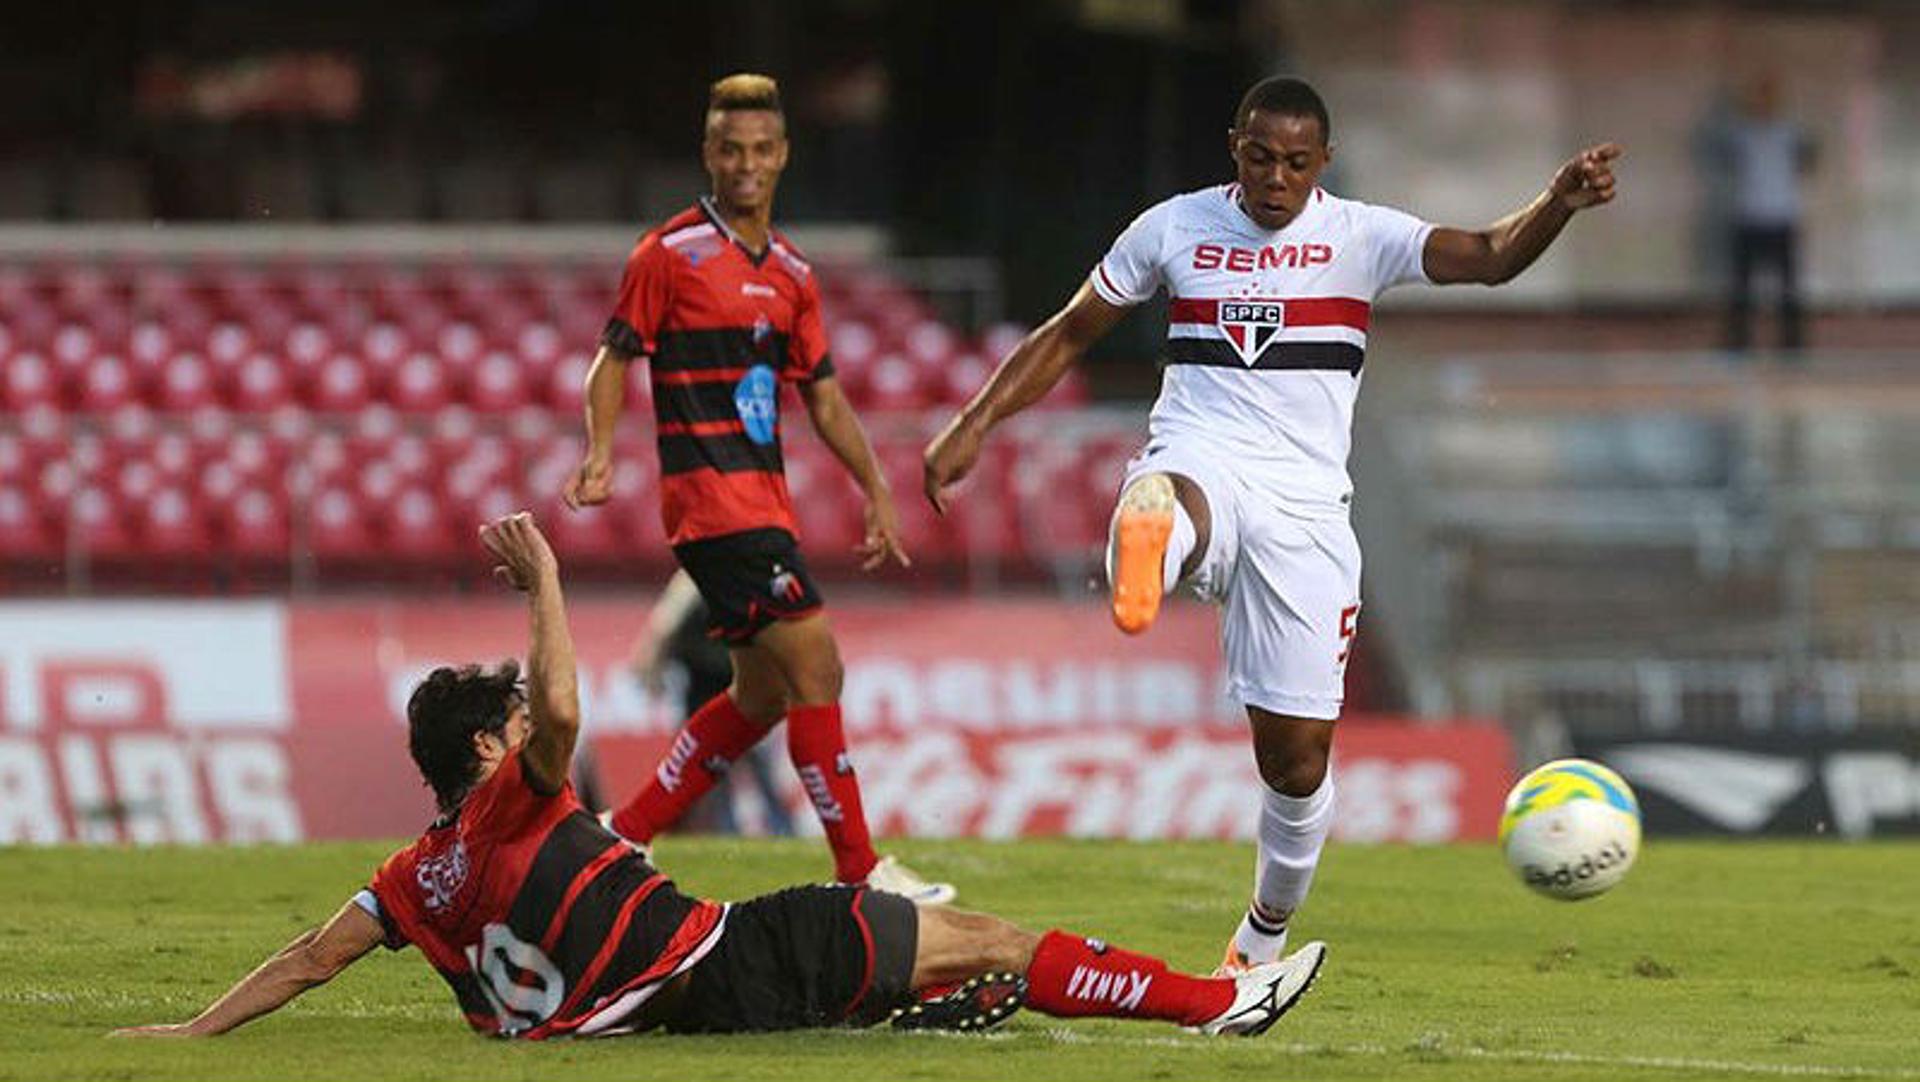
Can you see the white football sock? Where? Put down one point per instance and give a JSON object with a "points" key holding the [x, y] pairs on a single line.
{"points": [[1179, 544], [1293, 830]]}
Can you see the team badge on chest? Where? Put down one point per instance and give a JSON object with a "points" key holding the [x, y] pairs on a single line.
{"points": [[1250, 325]]}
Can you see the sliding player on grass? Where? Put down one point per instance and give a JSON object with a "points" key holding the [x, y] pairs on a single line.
{"points": [[545, 924], [1242, 490]]}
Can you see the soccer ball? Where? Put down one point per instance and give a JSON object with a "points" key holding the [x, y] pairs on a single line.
{"points": [[1571, 829]]}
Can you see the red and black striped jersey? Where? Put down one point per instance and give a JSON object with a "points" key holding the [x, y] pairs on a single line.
{"points": [[722, 328], [542, 922]]}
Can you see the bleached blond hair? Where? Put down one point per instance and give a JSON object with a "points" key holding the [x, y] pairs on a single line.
{"points": [[744, 90]]}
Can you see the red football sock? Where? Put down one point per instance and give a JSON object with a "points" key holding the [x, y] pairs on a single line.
{"points": [[818, 746], [716, 735], [1073, 977]]}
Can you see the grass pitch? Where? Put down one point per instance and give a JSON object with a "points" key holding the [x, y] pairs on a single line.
{"points": [[1711, 961]]}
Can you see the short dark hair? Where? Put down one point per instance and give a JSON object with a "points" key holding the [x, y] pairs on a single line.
{"points": [[1287, 96], [446, 711], [745, 91]]}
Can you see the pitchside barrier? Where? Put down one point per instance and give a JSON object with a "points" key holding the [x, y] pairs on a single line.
{"points": [[1853, 785], [251, 721]]}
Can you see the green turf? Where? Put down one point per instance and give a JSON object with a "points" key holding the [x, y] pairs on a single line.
{"points": [[1713, 960]]}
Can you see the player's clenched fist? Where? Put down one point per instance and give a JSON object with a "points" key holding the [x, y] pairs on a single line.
{"points": [[526, 560], [591, 484], [1587, 178]]}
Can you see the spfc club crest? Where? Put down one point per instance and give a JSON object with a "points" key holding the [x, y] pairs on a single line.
{"points": [[1250, 325]]}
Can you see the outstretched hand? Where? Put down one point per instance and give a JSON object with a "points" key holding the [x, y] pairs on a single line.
{"points": [[1587, 178], [882, 539], [526, 560]]}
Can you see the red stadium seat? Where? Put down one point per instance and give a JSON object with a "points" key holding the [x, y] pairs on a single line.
{"points": [[210, 430], [499, 383], [73, 350], [25, 533], [27, 382], [219, 482], [413, 458], [338, 526], [460, 343], [106, 384], [150, 346], [171, 525], [962, 378], [130, 432], [16, 460], [253, 525], [228, 344], [420, 385], [567, 384], [540, 345], [896, 383], [341, 385], [930, 342], [98, 526], [185, 383], [384, 345], [418, 527], [173, 455]]}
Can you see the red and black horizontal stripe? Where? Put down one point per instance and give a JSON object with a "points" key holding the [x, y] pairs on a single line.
{"points": [[1278, 356]]}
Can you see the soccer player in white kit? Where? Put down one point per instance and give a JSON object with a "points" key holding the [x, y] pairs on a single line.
{"points": [[1242, 491]]}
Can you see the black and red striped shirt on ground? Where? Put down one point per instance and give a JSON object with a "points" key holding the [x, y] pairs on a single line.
{"points": [[722, 328], [543, 923]]}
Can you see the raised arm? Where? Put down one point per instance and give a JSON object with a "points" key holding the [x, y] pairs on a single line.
{"points": [[1027, 374], [315, 957], [592, 483], [834, 419], [553, 686], [1502, 250]]}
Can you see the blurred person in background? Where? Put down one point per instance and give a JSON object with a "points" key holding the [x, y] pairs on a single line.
{"points": [[1242, 491], [724, 309], [1765, 158], [675, 649]]}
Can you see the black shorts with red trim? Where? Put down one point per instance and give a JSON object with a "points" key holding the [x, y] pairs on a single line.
{"points": [[749, 580], [804, 958]]}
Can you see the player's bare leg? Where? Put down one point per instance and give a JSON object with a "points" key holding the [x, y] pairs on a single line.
{"points": [[1296, 814], [808, 660], [1158, 536], [998, 965]]}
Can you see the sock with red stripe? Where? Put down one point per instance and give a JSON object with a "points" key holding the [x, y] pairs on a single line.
{"points": [[1074, 977], [716, 735], [817, 743]]}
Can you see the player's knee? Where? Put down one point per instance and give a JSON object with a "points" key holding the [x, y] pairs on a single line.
{"points": [[761, 705], [818, 678], [1296, 776], [1292, 757]]}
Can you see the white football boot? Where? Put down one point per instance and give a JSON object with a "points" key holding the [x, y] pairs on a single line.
{"points": [[896, 878], [1265, 992]]}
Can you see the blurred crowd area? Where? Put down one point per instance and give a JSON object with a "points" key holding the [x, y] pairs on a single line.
{"points": [[288, 302]]}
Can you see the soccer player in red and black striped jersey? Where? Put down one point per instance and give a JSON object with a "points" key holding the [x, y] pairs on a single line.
{"points": [[724, 310], [546, 925]]}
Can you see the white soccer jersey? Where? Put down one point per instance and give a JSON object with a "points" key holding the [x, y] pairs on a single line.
{"points": [[1267, 328]]}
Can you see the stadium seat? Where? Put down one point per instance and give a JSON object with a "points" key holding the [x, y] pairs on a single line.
{"points": [[27, 382], [106, 384], [185, 383], [170, 524], [499, 383], [337, 526], [260, 384], [418, 527], [25, 533], [420, 385], [341, 385], [98, 526], [253, 525]]}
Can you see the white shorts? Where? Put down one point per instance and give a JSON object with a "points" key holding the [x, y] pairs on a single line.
{"points": [[1288, 586]]}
